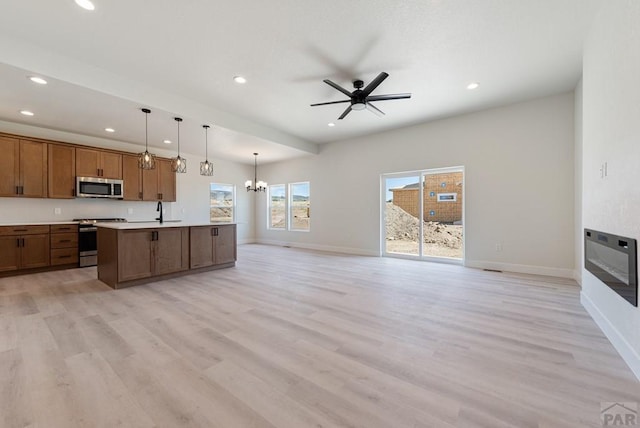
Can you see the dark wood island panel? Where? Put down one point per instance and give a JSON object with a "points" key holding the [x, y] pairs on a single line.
{"points": [[131, 256]]}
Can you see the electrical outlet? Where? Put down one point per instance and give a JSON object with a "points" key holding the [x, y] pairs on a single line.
{"points": [[57, 211], [498, 247], [184, 210], [130, 211]]}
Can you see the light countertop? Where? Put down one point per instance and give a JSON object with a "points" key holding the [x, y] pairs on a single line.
{"points": [[37, 223], [156, 224]]}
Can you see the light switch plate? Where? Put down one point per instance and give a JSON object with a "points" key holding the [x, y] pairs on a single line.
{"points": [[130, 211], [57, 211]]}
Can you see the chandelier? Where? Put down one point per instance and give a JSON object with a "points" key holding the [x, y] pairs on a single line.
{"points": [[261, 186]]}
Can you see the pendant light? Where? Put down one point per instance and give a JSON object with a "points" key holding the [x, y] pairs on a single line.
{"points": [[261, 186], [206, 167], [146, 160], [178, 164]]}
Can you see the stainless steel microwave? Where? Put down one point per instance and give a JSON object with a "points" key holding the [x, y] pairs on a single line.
{"points": [[93, 187]]}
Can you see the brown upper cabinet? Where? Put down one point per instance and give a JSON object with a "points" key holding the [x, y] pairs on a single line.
{"points": [[23, 168], [62, 174], [98, 163], [166, 181], [132, 177], [159, 184]]}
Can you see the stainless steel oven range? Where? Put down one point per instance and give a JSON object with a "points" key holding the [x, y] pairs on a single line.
{"points": [[88, 238]]}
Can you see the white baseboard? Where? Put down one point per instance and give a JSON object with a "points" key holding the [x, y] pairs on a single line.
{"points": [[246, 241], [329, 248], [530, 269], [577, 276], [628, 354]]}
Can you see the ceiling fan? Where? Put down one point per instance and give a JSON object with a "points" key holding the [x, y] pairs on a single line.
{"points": [[360, 99]]}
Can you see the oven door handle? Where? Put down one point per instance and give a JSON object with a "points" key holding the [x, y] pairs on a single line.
{"points": [[87, 229]]}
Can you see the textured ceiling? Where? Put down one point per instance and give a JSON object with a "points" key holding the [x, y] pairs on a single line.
{"points": [[179, 58]]}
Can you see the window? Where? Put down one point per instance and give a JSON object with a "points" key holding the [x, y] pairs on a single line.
{"points": [[447, 197], [277, 207], [299, 206], [222, 202], [289, 206]]}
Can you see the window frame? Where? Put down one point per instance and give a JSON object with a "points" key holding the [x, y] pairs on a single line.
{"points": [[269, 205], [455, 197], [290, 216], [233, 202]]}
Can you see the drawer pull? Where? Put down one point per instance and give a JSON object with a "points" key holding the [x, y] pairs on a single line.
{"points": [[64, 257], [64, 240], [20, 230]]}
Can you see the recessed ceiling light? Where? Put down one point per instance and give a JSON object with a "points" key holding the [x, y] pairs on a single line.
{"points": [[473, 85], [85, 4], [331, 124], [167, 141], [38, 80], [26, 112], [109, 129], [239, 79]]}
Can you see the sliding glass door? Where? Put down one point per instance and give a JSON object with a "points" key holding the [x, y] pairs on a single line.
{"points": [[422, 214]]}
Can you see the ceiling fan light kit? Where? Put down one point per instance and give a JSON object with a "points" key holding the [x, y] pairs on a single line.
{"points": [[360, 98]]}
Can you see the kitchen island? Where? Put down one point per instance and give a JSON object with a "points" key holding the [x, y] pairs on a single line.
{"points": [[137, 253]]}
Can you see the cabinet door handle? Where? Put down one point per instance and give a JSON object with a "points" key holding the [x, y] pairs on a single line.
{"points": [[139, 195], [215, 231], [17, 190], [22, 239], [18, 242]]}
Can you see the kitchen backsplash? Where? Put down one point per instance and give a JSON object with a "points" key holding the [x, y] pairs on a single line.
{"points": [[25, 210]]}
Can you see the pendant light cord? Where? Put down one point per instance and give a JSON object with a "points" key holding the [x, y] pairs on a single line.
{"points": [[146, 132]]}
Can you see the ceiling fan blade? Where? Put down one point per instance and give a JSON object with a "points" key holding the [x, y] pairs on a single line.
{"points": [[375, 110], [374, 83], [346, 112], [338, 87], [330, 102], [388, 97]]}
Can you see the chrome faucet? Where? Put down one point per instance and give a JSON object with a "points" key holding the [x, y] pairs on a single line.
{"points": [[159, 208]]}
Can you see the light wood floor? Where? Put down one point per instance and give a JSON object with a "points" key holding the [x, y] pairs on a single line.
{"points": [[293, 338]]}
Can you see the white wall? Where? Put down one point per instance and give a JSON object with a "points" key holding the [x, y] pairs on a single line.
{"points": [[519, 181], [192, 202], [577, 204], [611, 134]]}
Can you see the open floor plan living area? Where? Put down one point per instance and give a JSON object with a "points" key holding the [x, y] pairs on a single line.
{"points": [[359, 214]]}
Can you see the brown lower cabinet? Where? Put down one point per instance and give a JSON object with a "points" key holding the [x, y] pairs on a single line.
{"points": [[133, 256], [23, 247], [150, 252], [212, 245]]}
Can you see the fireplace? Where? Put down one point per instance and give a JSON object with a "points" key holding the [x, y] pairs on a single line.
{"points": [[612, 259]]}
